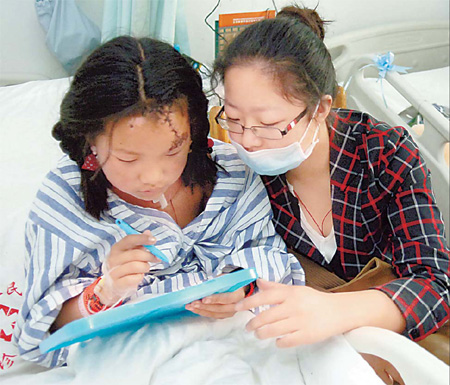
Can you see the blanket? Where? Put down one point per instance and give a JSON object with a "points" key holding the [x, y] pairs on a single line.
{"points": [[195, 350]]}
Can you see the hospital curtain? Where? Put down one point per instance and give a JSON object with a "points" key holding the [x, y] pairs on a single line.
{"points": [[161, 19], [70, 35]]}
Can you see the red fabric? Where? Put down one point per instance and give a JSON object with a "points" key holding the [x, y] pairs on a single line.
{"points": [[91, 302], [90, 163]]}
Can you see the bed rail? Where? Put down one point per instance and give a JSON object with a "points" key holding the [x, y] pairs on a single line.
{"points": [[432, 141]]}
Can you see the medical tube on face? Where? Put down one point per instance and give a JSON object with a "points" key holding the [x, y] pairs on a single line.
{"points": [[162, 201]]}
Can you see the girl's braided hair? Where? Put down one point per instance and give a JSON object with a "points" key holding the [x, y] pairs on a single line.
{"points": [[126, 77]]}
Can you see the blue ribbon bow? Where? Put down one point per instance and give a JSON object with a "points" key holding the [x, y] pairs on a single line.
{"points": [[385, 63]]}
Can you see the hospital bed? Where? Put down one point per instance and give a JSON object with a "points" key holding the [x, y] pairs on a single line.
{"points": [[418, 100], [27, 113]]}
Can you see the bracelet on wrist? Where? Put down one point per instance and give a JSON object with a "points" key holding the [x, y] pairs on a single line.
{"points": [[250, 288], [89, 303]]}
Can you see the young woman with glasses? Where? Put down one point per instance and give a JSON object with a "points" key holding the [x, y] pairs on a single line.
{"points": [[344, 188]]}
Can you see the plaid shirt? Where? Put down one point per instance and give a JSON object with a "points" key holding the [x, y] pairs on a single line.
{"points": [[383, 206]]}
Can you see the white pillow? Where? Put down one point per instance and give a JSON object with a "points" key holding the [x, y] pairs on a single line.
{"points": [[27, 152]]}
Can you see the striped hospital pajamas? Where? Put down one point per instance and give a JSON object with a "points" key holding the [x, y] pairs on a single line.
{"points": [[66, 246]]}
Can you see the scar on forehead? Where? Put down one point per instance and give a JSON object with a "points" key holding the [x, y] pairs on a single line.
{"points": [[179, 139]]}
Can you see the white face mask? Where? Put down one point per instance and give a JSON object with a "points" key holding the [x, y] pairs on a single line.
{"points": [[276, 161]]}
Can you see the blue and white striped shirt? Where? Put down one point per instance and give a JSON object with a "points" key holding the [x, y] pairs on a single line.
{"points": [[66, 246]]}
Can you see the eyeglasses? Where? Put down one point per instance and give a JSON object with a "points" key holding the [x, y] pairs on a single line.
{"points": [[266, 132]]}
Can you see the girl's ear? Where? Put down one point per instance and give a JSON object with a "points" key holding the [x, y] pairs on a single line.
{"points": [[324, 108], [94, 150]]}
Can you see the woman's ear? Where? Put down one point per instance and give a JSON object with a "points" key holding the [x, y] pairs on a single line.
{"points": [[94, 150], [324, 108]]}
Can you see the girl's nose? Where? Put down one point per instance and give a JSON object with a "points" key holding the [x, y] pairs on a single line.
{"points": [[151, 175]]}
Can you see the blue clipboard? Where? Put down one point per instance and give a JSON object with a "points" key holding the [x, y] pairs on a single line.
{"points": [[126, 316]]}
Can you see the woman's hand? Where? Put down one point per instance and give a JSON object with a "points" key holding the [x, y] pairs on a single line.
{"points": [[217, 305], [302, 315], [125, 267]]}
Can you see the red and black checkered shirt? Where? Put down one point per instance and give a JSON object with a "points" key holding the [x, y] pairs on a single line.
{"points": [[383, 206]]}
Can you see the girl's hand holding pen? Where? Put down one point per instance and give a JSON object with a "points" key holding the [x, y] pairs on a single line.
{"points": [[129, 230], [125, 267]]}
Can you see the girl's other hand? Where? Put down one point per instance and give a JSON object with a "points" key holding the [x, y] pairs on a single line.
{"points": [[217, 306], [125, 267]]}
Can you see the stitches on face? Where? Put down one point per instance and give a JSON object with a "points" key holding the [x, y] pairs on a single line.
{"points": [[180, 138]]}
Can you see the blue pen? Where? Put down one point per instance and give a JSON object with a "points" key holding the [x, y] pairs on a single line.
{"points": [[129, 230]]}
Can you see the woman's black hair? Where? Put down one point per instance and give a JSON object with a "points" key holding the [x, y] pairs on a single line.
{"points": [[291, 48], [126, 77]]}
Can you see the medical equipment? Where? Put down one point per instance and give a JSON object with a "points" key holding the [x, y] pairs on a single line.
{"points": [[424, 47]]}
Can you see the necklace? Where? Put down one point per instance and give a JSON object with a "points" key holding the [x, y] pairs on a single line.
{"points": [[173, 209], [172, 205], [320, 228]]}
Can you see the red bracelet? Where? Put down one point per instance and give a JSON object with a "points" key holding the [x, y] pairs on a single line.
{"points": [[89, 303], [249, 289]]}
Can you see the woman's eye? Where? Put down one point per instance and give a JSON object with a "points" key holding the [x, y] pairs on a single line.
{"points": [[269, 124], [232, 119]]}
